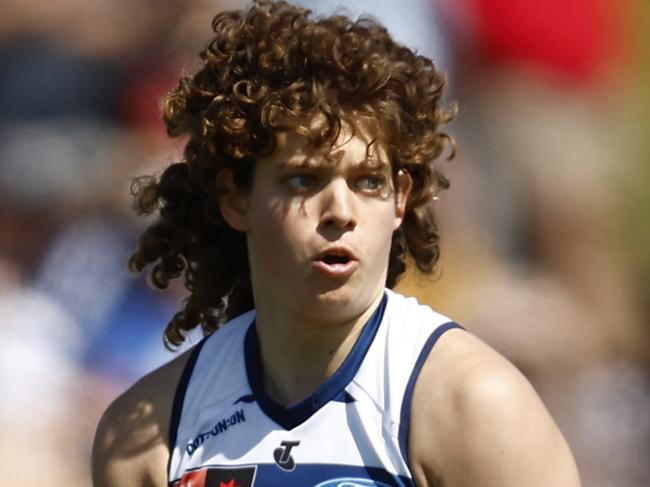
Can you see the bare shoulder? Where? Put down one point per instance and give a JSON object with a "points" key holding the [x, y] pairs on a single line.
{"points": [[130, 447], [476, 420]]}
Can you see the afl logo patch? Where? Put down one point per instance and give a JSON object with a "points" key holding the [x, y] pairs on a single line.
{"points": [[351, 482]]}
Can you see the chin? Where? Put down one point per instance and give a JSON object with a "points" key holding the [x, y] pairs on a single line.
{"points": [[342, 299], [342, 302], [338, 297]]}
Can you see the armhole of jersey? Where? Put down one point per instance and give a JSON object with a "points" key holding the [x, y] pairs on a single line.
{"points": [[179, 399], [405, 413]]}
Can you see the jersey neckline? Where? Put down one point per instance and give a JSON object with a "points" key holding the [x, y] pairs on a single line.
{"points": [[295, 414]]}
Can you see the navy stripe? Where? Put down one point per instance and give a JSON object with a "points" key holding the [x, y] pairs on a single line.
{"points": [[405, 413], [179, 398], [307, 474], [291, 416]]}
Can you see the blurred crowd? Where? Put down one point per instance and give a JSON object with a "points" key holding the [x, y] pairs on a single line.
{"points": [[545, 228]]}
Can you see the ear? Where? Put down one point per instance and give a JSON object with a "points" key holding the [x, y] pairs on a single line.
{"points": [[232, 201], [403, 185]]}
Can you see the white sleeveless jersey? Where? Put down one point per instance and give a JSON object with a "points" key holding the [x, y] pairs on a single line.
{"points": [[352, 431]]}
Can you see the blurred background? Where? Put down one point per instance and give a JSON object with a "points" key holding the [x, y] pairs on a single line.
{"points": [[546, 240]]}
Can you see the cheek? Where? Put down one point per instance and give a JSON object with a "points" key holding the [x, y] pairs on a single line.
{"points": [[274, 239], [274, 224], [380, 230]]}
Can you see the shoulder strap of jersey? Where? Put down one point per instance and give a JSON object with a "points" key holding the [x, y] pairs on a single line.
{"points": [[405, 413], [179, 396]]}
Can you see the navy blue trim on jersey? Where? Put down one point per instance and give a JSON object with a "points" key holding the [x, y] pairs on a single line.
{"points": [[246, 398], [179, 397], [291, 416], [344, 397], [312, 474], [405, 413]]}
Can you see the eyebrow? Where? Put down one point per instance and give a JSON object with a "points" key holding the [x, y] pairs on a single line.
{"points": [[316, 163], [373, 163]]}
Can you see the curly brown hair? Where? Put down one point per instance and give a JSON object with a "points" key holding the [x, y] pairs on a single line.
{"points": [[267, 70]]}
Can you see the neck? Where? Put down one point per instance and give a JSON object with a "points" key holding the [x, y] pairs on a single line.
{"points": [[298, 353]]}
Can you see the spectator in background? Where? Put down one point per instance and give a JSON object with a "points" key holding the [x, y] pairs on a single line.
{"points": [[547, 152]]}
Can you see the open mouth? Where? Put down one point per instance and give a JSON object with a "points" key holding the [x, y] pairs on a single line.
{"points": [[336, 263], [331, 259]]}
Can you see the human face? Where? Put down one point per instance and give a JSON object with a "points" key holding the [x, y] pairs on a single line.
{"points": [[319, 224]]}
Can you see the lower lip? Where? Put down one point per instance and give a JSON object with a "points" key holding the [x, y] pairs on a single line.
{"points": [[336, 270]]}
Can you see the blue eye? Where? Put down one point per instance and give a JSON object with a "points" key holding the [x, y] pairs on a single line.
{"points": [[302, 182], [370, 183]]}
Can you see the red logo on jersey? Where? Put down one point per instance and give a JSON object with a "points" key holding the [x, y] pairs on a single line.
{"points": [[194, 479], [219, 477]]}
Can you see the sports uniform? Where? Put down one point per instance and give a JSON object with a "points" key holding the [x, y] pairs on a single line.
{"points": [[352, 431]]}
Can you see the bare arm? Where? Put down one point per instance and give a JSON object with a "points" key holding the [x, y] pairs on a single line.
{"points": [[130, 447], [477, 421]]}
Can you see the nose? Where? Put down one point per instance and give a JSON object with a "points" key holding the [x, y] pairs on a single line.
{"points": [[338, 206]]}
